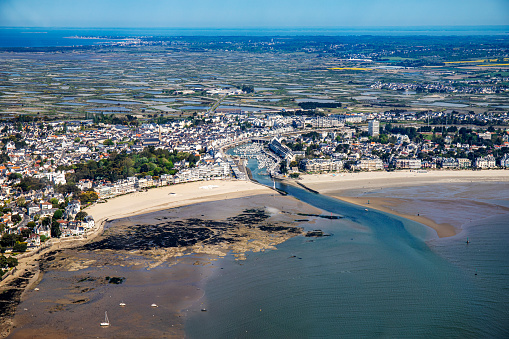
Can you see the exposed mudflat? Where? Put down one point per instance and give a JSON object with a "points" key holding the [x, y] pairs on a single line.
{"points": [[162, 257]]}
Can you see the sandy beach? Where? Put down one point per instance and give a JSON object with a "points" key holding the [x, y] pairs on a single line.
{"points": [[207, 219], [344, 181], [173, 196], [28, 274], [442, 200]]}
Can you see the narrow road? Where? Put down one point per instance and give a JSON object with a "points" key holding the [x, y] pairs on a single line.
{"points": [[213, 108]]}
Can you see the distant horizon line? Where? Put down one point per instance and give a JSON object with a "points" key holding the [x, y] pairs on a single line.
{"points": [[262, 27]]}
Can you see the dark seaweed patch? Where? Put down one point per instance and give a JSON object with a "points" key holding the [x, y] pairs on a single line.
{"points": [[182, 233], [115, 280]]}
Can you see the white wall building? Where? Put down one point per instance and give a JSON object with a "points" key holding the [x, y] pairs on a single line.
{"points": [[374, 128]]}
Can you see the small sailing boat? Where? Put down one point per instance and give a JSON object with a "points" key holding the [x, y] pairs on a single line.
{"points": [[106, 320]]}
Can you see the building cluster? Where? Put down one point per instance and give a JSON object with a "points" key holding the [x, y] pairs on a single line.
{"points": [[309, 144], [482, 87], [347, 148]]}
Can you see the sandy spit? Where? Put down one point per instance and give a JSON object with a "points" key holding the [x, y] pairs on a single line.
{"points": [[337, 185]]}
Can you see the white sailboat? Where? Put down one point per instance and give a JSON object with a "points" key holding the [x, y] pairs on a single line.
{"points": [[106, 320]]}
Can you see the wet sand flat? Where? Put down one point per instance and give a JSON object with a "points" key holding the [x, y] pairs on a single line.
{"points": [[119, 207], [441, 202], [163, 257]]}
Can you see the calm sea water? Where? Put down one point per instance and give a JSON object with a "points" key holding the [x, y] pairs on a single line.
{"points": [[377, 276], [57, 37]]}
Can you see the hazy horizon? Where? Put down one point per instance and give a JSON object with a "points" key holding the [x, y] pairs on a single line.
{"points": [[264, 27], [224, 14]]}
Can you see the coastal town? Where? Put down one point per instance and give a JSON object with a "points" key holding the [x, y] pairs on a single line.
{"points": [[92, 136], [45, 189], [263, 169]]}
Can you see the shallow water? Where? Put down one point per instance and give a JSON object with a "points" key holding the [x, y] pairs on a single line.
{"points": [[377, 276]]}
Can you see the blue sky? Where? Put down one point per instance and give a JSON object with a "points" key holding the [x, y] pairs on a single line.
{"points": [[253, 13]]}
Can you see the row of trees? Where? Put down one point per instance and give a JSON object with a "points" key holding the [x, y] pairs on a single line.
{"points": [[114, 119], [313, 105], [117, 166], [6, 262], [15, 241]]}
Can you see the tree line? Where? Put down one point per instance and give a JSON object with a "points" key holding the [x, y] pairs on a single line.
{"points": [[150, 161]]}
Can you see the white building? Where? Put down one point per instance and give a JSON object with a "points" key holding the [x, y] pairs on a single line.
{"points": [[73, 208], [504, 162], [407, 163], [485, 162], [321, 165], [374, 128], [369, 164]]}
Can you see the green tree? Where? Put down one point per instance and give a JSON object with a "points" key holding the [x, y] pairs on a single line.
{"points": [[14, 176], [88, 196], [248, 88], [4, 158], [9, 262], [19, 247], [46, 221], [25, 233], [55, 229], [58, 214], [16, 218], [282, 167], [8, 240], [68, 188], [20, 202], [81, 215], [54, 202], [28, 184]]}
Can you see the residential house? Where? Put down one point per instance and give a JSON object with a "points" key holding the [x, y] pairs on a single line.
{"points": [[407, 163], [369, 164], [485, 162], [321, 165]]}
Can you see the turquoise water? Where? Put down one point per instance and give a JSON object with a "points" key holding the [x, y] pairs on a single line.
{"points": [[377, 276]]}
